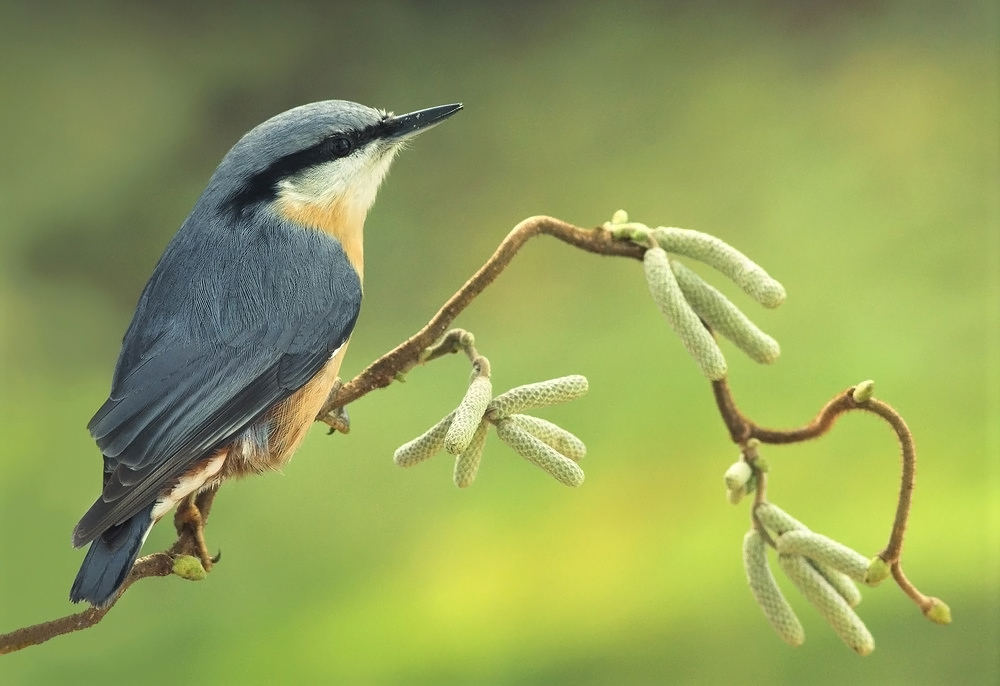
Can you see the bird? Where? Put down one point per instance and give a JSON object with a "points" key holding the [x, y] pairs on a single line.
{"points": [[238, 336]]}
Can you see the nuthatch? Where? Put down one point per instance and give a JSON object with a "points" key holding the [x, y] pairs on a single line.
{"points": [[238, 337]]}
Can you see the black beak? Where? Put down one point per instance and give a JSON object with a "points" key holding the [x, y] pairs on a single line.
{"points": [[408, 125]]}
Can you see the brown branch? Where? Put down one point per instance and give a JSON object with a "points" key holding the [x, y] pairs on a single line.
{"points": [[190, 541], [894, 548], [407, 355], [741, 429], [157, 564]]}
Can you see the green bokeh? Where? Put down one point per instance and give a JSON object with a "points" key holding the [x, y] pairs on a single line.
{"points": [[852, 149]]}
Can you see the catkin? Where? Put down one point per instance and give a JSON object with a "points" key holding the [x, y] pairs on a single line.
{"points": [[540, 454], [776, 519], [553, 435], [824, 550], [540, 394], [468, 415], [425, 445], [724, 317], [830, 604], [765, 590], [467, 463], [682, 319], [718, 254]]}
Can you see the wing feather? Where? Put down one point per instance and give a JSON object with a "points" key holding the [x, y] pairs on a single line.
{"points": [[211, 349]]}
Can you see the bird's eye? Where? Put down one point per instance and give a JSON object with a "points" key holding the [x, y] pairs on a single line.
{"points": [[340, 146]]}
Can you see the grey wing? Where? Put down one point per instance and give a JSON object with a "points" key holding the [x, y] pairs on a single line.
{"points": [[179, 394]]}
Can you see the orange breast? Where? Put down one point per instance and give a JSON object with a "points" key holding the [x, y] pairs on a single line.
{"points": [[337, 219]]}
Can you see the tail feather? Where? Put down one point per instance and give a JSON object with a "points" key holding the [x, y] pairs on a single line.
{"points": [[110, 559]]}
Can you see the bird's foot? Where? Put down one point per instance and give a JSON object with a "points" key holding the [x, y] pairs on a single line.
{"points": [[333, 415], [190, 524]]}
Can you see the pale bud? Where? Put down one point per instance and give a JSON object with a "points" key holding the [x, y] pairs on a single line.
{"points": [[738, 475]]}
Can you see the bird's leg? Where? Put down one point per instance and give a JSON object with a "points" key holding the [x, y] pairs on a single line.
{"points": [[332, 414], [190, 520]]}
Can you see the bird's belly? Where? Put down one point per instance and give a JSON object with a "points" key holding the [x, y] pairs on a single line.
{"points": [[287, 424]]}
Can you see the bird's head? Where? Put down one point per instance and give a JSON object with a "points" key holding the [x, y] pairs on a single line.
{"points": [[324, 154], [319, 165]]}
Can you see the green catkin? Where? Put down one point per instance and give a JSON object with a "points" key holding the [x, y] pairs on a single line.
{"points": [[724, 317], [423, 446], [552, 435], [830, 604], [782, 523], [467, 463], [563, 469], [714, 252], [540, 394], [776, 519], [840, 582], [468, 415], [682, 319], [766, 592], [824, 550]]}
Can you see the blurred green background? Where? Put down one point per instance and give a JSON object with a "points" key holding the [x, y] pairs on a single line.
{"points": [[851, 148]]}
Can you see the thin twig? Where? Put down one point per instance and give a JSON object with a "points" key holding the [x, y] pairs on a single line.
{"points": [[190, 541], [406, 355], [157, 564], [894, 549]]}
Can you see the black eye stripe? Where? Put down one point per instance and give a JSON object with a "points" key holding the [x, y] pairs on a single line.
{"points": [[338, 145]]}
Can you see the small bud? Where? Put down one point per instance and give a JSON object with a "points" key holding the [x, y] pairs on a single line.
{"points": [[425, 445], [760, 462], [862, 393], [830, 604], [561, 468], [467, 463], [776, 519], [938, 612], [540, 394], [824, 550], [766, 592], [738, 475], [735, 495], [468, 415], [877, 572], [682, 319], [619, 217], [189, 567]]}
